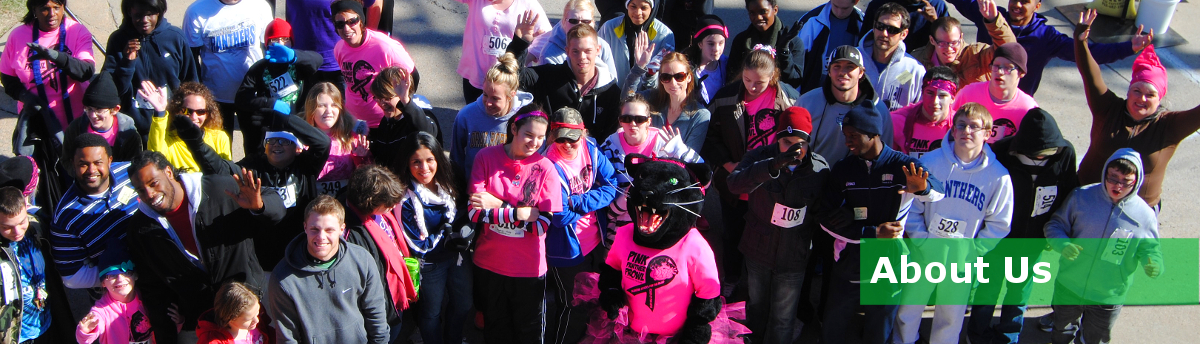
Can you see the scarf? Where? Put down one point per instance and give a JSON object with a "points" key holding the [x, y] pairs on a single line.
{"points": [[422, 196], [399, 283]]}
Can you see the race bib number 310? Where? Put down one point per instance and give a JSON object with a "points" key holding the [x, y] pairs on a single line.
{"points": [[508, 229]]}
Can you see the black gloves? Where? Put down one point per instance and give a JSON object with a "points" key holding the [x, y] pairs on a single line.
{"points": [[185, 129], [42, 53], [787, 157]]}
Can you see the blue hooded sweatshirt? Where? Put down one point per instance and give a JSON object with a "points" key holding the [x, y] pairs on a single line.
{"points": [[1042, 42], [1095, 275], [475, 129], [603, 192]]}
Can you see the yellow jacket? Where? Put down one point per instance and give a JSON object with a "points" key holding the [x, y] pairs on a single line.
{"points": [[163, 140]]}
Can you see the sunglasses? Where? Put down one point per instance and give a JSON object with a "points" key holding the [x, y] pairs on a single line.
{"points": [[679, 77], [633, 119], [565, 140], [341, 24], [279, 142], [574, 21], [891, 30], [198, 112]]}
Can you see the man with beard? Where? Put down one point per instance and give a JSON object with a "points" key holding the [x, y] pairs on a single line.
{"points": [[577, 84], [195, 233], [845, 88], [92, 213]]}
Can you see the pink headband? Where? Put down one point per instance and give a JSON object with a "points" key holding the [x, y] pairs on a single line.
{"points": [[765, 47], [530, 114], [723, 30], [557, 125], [943, 85], [33, 180]]}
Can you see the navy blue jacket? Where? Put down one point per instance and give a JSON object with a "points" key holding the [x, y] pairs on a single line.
{"points": [[165, 59]]}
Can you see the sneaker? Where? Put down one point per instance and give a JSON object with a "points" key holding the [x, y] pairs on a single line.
{"points": [[1046, 323]]}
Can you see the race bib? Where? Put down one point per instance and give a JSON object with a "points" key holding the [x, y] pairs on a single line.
{"points": [[496, 45], [1118, 245], [125, 195], [331, 187], [787, 217], [510, 230], [860, 213], [946, 228], [1044, 199], [287, 193], [283, 87], [10, 286]]}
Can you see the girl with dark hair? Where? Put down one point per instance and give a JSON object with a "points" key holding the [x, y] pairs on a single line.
{"points": [[706, 54], [426, 213], [234, 318], [347, 149], [514, 192], [147, 48]]}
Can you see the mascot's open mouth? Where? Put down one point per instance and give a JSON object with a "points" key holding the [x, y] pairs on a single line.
{"points": [[648, 221]]}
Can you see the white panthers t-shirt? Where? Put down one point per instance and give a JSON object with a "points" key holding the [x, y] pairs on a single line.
{"points": [[230, 38]]}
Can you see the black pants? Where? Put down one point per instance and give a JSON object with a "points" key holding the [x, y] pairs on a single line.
{"points": [[470, 93], [566, 323], [734, 262], [514, 308]]}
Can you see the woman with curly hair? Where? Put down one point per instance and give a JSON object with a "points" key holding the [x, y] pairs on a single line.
{"points": [[194, 107], [348, 147]]}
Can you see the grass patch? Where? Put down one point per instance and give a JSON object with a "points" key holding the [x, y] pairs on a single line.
{"points": [[11, 12]]}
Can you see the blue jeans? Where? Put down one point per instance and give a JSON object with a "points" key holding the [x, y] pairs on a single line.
{"points": [[1012, 311], [445, 283], [774, 297]]}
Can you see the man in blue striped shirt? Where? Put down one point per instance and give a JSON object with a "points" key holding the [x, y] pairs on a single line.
{"points": [[89, 218]]}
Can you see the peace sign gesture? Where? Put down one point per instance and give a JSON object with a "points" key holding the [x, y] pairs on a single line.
{"points": [[249, 188]]}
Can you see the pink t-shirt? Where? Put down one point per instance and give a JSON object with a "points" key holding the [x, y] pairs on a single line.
{"points": [[16, 63], [529, 182], [110, 135], [338, 167], [1006, 118], [582, 174], [925, 136], [252, 337], [488, 33], [647, 146], [760, 128], [359, 67], [659, 284]]}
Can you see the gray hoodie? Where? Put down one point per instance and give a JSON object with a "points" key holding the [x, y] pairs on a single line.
{"points": [[341, 304], [1090, 213]]}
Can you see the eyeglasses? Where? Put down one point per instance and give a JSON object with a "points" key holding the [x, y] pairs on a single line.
{"points": [[1003, 69], [574, 21], [198, 112], [279, 142], [92, 110], [635, 119], [1118, 182], [679, 77], [891, 30], [565, 140], [341, 24], [970, 129], [948, 44]]}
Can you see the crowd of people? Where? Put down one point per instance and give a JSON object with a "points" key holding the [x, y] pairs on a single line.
{"points": [[540, 215]]}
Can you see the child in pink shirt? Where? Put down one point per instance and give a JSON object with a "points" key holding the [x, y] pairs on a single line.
{"points": [[920, 127], [514, 192], [347, 149], [119, 316], [361, 54]]}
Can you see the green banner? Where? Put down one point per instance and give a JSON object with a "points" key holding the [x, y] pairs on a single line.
{"points": [[1102, 271]]}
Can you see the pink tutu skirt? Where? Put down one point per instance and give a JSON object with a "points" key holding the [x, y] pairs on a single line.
{"points": [[602, 330]]}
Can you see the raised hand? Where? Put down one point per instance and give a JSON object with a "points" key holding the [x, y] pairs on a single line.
{"points": [[362, 146], [249, 188], [929, 12], [89, 323], [526, 25], [1142, 40], [1085, 24], [643, 50], [668, 133], [132, 48], [917, 179], [157, 96], [987, 8]]}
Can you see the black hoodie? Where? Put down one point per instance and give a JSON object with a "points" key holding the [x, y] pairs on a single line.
{"points": [[165, 59], [1036, 200]]}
